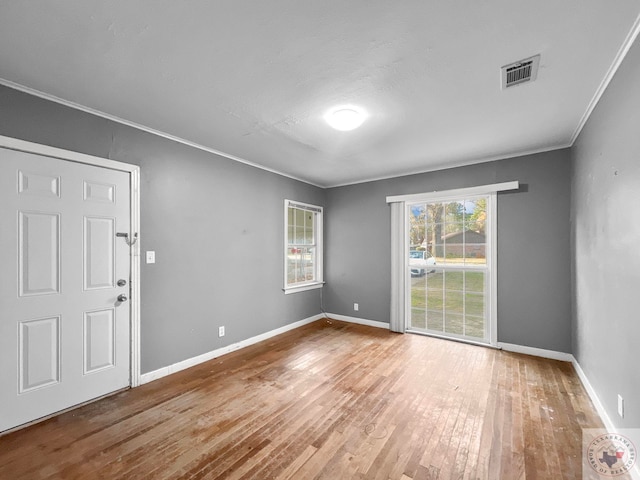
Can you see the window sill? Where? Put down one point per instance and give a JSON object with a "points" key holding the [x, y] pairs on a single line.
{"points": [[302, 288]]}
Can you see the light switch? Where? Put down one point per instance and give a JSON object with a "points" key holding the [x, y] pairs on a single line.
{"points": [[151, 256]]}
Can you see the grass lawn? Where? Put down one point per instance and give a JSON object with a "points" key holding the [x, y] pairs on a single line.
{"points": [[449, 302]]}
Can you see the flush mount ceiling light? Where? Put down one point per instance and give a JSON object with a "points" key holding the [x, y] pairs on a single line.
{"points": [[345, 117]]}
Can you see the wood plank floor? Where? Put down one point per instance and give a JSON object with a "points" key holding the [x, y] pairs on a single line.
{"points": [[330, 400]]}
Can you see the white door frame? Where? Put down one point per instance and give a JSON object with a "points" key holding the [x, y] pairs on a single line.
{"points": [[134, 186]]}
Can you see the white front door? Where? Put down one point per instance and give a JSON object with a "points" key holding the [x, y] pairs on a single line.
{"points": [[64, 333]]}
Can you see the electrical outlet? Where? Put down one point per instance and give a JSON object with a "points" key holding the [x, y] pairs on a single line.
{"points": [[221, 331], [151, 256], [356, 307], [620, 406]]}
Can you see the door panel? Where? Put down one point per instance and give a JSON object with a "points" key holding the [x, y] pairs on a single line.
{"points": [[99, 236], [99, 340], [39, 253], [64, 336], [39, 352], [34, 184], [97, 192]]}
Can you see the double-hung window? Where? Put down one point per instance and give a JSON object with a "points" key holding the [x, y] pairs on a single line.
{"points": [[302, 246]]}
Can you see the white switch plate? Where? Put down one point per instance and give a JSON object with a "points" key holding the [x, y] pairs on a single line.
{"points": [[221, 331], [356, 307], [151, 256]]}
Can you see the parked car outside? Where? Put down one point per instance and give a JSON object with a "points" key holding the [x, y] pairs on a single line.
{"points": [[420, 261]]}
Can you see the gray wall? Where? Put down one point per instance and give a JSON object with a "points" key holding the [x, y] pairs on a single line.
{"points": [[216, 226], [534, 305], [606, 243]]}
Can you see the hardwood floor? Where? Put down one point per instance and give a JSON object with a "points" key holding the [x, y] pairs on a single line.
{"points": [[330, 400]]}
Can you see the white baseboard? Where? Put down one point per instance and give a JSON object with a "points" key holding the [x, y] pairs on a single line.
{"points": [[567, 357], [360, 321], [205, 357], [190, 362], [604, 416], [594, 397], [536, 352]]}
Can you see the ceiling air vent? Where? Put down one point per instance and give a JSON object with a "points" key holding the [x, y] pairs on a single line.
{"points": [[520, 72]]}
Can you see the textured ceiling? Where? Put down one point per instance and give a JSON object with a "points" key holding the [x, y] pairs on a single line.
{"points": [[253, 79]]}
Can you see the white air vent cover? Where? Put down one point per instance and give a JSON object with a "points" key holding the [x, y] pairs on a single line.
{"points": [[520, 72]]}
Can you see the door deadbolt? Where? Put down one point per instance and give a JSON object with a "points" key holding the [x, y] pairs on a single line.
{"points": [[122, 297], [122, 282]]}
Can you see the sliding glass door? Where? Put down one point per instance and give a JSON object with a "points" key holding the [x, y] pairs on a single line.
{"points": [[448, 268]]}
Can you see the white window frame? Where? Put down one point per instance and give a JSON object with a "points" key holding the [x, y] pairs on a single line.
{"points": [[318, 216], [400, 245]]}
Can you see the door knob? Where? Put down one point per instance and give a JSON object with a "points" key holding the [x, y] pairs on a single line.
{"points": [[122, 282], [122, 297]]}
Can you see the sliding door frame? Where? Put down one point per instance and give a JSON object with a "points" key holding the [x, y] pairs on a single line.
{"points": [[400, 294], [488, 269]]}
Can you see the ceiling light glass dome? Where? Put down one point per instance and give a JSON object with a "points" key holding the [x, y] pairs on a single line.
{"points": [[345, 117]]}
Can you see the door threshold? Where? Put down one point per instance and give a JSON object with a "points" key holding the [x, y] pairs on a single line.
{"points": [[55, 414], [454, 339]]}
